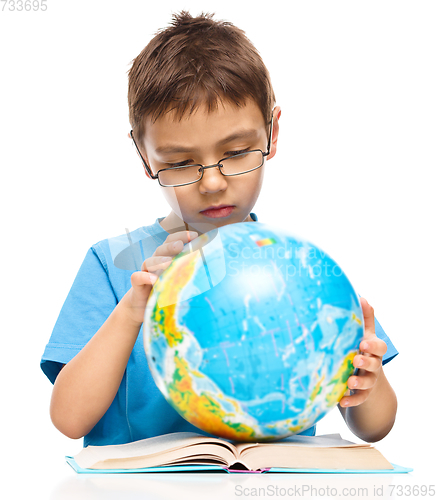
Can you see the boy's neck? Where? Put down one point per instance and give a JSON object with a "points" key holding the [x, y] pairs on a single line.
{"points": [[172, 224]]}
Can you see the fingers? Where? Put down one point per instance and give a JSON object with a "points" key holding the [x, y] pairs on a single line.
{"points": [[361, 385], [362, 382], [368, 363], [153, 264], [186, 236], [369, 316], [175, 243], [165, 253], [354, 399], [374, 346], [371, 344], [140, 278]]}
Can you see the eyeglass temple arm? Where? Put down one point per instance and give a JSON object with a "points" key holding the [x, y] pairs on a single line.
{"points": [[141, 156], [270, 138]]}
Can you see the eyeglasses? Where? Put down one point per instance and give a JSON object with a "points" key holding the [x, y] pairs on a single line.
{"points": [[237, 164]]}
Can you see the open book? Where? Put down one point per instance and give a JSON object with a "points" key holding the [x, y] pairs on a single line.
{"points": [[188, 448]]}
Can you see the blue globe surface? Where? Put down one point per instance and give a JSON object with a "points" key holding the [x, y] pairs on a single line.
{"points": [[250, 333]]}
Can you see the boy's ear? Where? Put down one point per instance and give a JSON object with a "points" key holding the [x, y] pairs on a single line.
{"points": [[275, 132]]}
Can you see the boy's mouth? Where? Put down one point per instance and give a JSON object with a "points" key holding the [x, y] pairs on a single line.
{"points": [[218, 211]]}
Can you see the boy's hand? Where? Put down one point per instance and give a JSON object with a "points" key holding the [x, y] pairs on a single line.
{"points": [[143, 281], [164, 254], [369, 362]]}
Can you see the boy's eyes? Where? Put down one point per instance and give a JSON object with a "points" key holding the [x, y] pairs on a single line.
{"points": [[227, 154], [233, 153], [181, 163]]}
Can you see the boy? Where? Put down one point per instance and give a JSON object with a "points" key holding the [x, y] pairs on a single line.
{"points": [[200, 98]]}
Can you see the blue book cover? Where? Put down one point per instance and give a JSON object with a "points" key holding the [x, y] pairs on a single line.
{"points": [[397, 469]]}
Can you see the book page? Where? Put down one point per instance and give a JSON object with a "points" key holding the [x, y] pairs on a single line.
{"points": [[302, 457], [198, 453], [324, 441], [151, 447]]}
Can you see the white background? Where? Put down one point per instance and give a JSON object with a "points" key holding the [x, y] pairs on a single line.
{"points": [[354, 173]]}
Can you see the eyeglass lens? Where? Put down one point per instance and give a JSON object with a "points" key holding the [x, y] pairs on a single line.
{"points": [[237, 164]]}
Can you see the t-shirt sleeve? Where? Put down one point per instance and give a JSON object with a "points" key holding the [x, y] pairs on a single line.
{"points": [[88, 304], [391, 349]]}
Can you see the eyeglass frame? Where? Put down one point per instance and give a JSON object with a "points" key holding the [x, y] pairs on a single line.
{"points": [[203, 167]]}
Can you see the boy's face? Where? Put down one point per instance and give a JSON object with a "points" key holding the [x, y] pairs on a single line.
{"points": [[204, 138]]}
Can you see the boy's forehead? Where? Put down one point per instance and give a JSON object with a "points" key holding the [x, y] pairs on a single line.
{"points": [[222, 120]]}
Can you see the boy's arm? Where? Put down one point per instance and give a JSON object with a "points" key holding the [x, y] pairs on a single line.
{"points": [[370, 410], [86, 386]]}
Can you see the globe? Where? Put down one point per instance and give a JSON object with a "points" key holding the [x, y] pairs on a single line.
{"points": [[250, 332]]}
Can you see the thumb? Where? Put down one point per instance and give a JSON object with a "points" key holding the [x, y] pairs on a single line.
{"points": [[141, 278], [369, 317]]}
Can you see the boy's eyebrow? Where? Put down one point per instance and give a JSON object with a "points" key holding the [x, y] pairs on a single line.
{"points": [[242, 134], [172, 149]]}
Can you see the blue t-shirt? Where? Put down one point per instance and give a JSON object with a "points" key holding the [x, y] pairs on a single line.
{"points": [[139, 410]]}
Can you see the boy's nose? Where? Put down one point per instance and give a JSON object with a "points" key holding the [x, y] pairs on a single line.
{"points": [[212, 181]]}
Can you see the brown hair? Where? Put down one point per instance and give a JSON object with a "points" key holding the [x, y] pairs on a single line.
{"points": [[196, 60]]}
